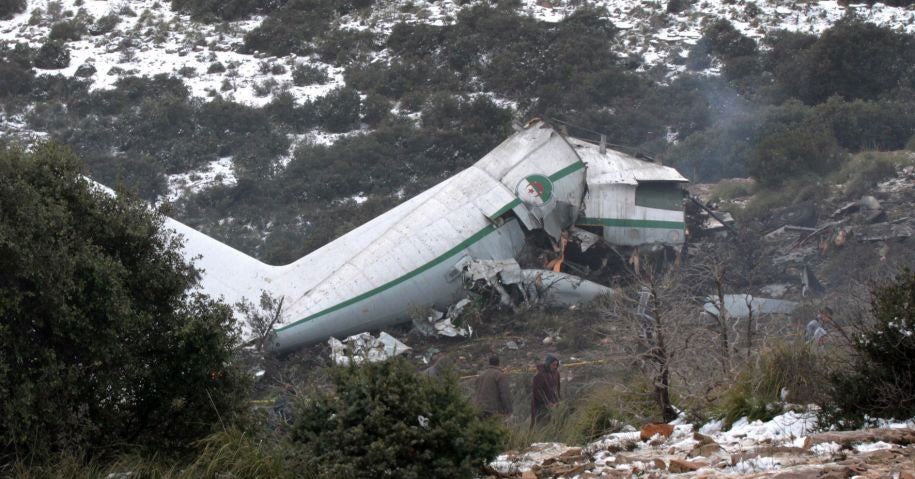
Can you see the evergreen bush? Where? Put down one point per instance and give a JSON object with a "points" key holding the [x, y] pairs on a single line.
{"points": [[304, 74], [103, 342], [52, 55], [105, 24], [881, 382], [384, 420], [8, 8]]}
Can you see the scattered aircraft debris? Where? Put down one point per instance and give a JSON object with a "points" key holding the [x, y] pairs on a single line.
{"points": [[364, 347], [438, 323], [742, 305], [425, 252]]}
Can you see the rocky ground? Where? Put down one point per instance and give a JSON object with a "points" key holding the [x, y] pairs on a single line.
{"points": [[784, 447]]}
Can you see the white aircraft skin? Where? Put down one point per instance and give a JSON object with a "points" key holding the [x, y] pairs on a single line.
{"points": [[410, 257]]}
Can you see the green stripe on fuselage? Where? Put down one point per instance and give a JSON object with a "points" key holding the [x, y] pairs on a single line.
{"points": [[631, 223], [567, 171], [412, 274], [435, 262], [515, 202]]}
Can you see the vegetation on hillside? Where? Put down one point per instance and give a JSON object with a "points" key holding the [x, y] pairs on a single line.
{"points": [[104, 344], [783, 108]]}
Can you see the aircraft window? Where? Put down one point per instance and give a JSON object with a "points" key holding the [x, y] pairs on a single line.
{"points": [[665, 196]]}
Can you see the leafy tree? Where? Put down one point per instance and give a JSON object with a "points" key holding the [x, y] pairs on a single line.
{"points": [[384, 420], [790, 152], [853, 60], [8, 8], [103, 343], [881, 382], [860, 124], [723, 40]]}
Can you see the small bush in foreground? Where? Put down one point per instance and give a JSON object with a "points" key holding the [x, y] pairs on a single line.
{"points": [[881, 381], [384, 420], [793, 368]]}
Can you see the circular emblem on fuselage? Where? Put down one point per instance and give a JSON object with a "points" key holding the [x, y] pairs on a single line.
{"points": [[535, 190]]}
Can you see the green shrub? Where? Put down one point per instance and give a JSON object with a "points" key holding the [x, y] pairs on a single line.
{"points": [[863, 171], [724, 41], [212, 10], [99, 305], [757, 390], [216, 67], [375, 109], [105, 24], [52, 56], [790, 152], [881, 382], [384, 420], [341, 47], [8, 8], [66, 31], [304, 74], [287, 29], [187, 71], [854, 60], [338, 111], [861, 124], [677, 6], [15, 80]]}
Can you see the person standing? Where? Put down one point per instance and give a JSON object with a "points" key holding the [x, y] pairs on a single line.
{"points": [[545, 391], [493, 395]]}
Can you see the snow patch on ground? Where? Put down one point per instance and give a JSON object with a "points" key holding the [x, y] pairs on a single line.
{"points": [[219, 172], [158, 40]]}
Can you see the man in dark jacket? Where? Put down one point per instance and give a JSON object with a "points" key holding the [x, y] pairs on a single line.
{"points": [[545, 393], [493, 396]]}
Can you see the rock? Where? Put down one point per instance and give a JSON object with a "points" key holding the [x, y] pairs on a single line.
{"points": [[679, 466], [564, 470], [660, 464], [528, 474], [649, 430], [573, 452], [512, 345], [848, 438], [869, 202], [703, 439], [705, 450]]}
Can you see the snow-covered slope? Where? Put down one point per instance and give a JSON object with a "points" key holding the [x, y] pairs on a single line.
{"points": [[151, 38]]}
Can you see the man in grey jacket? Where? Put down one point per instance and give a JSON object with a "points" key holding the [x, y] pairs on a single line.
{"points": [[493, 395]]}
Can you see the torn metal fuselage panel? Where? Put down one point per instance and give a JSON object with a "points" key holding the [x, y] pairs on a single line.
{"points": [[634, 202], [411, 256]]}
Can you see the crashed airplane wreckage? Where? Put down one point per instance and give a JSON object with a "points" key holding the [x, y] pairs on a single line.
{"points": [[470, 227]]}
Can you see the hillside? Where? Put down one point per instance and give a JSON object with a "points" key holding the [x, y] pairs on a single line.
{"points": [[264, 124]]}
